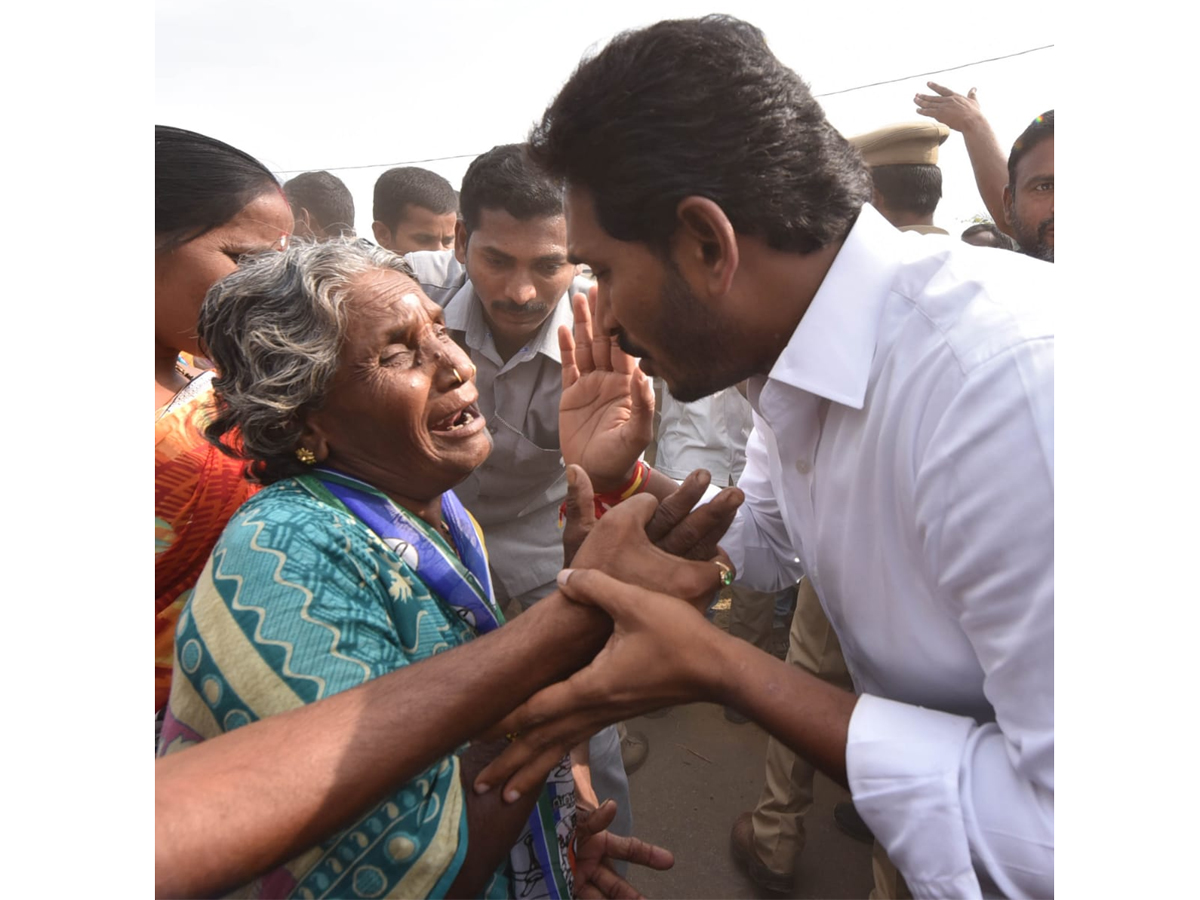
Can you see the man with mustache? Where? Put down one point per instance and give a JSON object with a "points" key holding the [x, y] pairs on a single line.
{"points": [[506, 289], [1029, 194], [1022, 205]]}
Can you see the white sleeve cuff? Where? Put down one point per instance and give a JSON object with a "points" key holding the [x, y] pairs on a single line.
{"points": [[902, 763]]}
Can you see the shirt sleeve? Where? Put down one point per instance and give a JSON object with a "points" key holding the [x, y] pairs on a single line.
{"points": [[757, 542], [964, 807]]}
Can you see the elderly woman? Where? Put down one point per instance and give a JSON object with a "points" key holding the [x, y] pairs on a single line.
{"points": [[358, 413], [212, 204]]}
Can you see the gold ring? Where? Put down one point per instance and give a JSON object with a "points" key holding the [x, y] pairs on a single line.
{"points": [[456, 375], [726, 572]]}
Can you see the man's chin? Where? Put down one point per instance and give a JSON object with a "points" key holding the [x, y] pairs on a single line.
{"points": [[692, 390], [1046, 241]]}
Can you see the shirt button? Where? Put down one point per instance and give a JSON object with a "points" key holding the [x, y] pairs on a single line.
{"points": [[492, 427], [803, 467]]}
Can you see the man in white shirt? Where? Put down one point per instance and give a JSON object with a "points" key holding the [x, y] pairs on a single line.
{"points": [[906, 188], [902, 455], [710, 434], [506, 288]]}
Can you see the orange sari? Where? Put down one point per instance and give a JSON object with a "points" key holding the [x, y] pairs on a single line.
{"points": [[196, 490]]}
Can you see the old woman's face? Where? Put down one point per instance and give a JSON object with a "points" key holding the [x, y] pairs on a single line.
{"points": [[401, 413]]}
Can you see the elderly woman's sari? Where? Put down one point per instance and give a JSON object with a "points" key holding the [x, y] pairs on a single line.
{"points": [[196, 489], [318, 584]]}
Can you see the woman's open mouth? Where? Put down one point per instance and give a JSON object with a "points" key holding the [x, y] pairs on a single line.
{"points": [[467, 420]]}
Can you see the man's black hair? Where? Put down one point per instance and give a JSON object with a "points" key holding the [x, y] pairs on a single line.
{"points": [[505, 178], [397, 188], [701, 107], [200, 183], [1039, 130], [907, 188], [1002, 240], [326, 198]]}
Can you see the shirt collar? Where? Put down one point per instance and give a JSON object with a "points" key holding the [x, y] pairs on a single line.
{"points": [[831, 350], [464, 313]]}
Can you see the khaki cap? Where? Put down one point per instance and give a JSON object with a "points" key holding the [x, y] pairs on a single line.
{"points": [[909, 143]]}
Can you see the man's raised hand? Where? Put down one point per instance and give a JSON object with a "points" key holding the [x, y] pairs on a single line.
{"points": [[606, 415]]}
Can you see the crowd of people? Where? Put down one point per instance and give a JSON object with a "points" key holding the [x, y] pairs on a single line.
{"points": [[414, 572]]}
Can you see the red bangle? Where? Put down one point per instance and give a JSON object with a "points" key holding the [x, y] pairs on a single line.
{"points": [[606, 501]]}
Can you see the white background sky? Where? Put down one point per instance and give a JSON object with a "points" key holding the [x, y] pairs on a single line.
{"points": [[311, 84]]}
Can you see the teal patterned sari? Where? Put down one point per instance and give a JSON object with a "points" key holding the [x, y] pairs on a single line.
{"points": [[318, 584]]}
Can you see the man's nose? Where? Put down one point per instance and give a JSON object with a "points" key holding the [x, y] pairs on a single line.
{"points": [[521, 288], [603, 321]]}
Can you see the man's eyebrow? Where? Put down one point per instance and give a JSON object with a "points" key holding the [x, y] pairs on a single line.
{"points": [[1033, 179], [492, 251], [551, 258]]}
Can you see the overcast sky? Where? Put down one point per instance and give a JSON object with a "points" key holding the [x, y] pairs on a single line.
{"points": [[308, 85]]}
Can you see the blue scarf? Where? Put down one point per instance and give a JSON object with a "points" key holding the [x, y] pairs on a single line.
{"points": [[540, 859]]}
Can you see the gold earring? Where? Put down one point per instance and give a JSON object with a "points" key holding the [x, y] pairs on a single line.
{"points": [[306, 456]]}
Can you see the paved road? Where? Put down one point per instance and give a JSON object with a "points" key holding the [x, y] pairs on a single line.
{"points": [[703, 770], [700, 773]]}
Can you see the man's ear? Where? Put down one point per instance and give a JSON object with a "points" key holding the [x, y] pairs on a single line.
{"points": [[383, 236], [705, 246], [1008, 201], [302, 223], [460, 241], [877, 202]]}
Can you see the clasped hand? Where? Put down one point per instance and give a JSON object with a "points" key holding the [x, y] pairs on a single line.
{"points": [[667, 547], [662, 652]]}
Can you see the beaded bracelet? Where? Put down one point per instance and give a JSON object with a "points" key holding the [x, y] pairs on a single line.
{"points": [[606, 501]]}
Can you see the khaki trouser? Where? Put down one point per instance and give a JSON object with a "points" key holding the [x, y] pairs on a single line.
{"points": [[752, 615], [787, 794]]}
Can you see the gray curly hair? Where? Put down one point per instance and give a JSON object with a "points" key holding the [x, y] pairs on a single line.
{"points": [[274, 329]]}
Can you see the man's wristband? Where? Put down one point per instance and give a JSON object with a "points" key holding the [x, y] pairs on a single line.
{"points": [[607, 500]]}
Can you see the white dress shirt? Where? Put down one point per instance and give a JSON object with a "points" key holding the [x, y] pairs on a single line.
{"points": [[515, 494], [903, 457], [710, 433]]}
